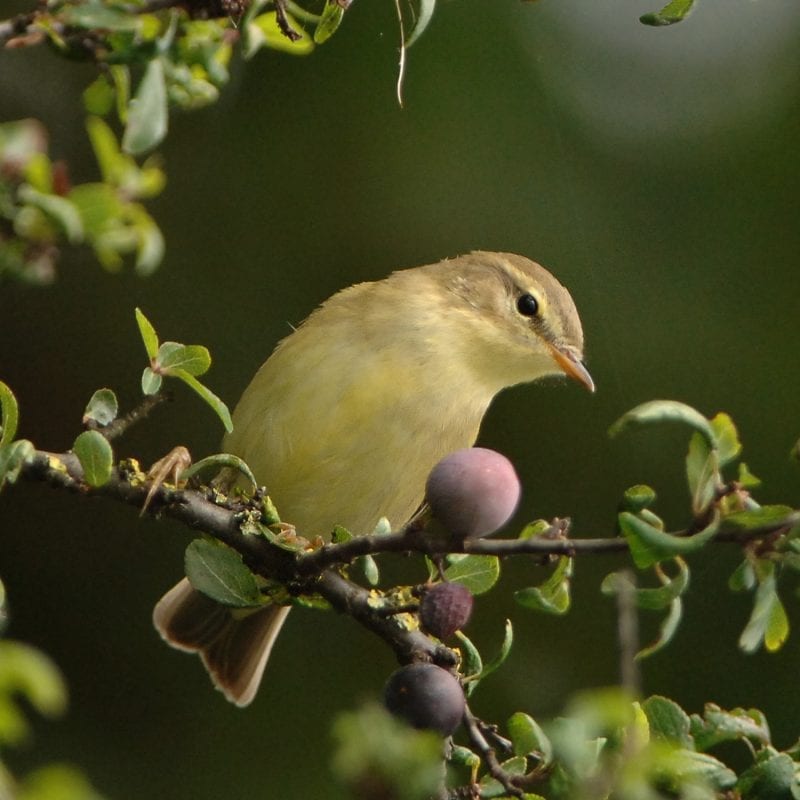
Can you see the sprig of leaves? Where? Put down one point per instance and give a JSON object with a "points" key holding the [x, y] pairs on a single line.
{"points": [[185, 362], [45, 211], [719, 506]]}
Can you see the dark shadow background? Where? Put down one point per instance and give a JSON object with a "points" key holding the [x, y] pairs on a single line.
{"points": [[656, 171]]}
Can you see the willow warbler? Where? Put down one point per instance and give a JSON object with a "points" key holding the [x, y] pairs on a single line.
{"points": [[346, 418]]}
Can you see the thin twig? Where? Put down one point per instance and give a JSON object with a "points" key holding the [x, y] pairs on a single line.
{"points": [[487, 753], [196, 511], [119, 426]]}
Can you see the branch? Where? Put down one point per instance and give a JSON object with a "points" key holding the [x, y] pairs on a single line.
{"points": [[487, 753], [198, 511]]}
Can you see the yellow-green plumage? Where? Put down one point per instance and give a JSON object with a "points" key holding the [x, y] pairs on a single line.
{"points": [[347, 417]]}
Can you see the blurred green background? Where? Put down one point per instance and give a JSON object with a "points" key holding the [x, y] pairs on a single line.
{"points": [[656, 171]]}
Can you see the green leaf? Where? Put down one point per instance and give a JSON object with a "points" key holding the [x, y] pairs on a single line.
{"points": [[102, 408], [9, 414], [219, 408], [471, 661], [666, 631], [269, 513], [96, 456], [695, 767], [213, 464], [651, 599], [533, 529], [668, 721], [650, 545], [768, 622], [56, 782], [746, 478], [529, 738], [553, 595], [147, 112], [502, 655], [340, 535], [771, 778], [702, 473], [151, 381], [60, 209], [382, 527], [93, 15], [192, 358], [26, 671], [727, 437], [13, 457], [665, 411], [718, 725], [777, 630], [743, 577], [370, 569], [149, 335], [490, 787], [219, 573], [425, 15], [668, 595], [150, 244], [638, 498], [464, 757], [758, 519], [106, 150], [100, 209], [477, 573], [264, 31], [332, 16], [98, 97], [672, 12]]}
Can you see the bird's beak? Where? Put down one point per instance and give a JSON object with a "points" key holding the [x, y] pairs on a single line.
{"points": [[572, 366]]}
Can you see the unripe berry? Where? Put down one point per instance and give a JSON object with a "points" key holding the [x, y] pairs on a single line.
{"points": [[426, 696], [473, 492], [445, 608]]}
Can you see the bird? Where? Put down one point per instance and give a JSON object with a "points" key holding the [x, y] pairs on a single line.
{"points": [[351, 411]]}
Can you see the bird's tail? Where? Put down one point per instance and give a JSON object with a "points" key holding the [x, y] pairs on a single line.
{"points": [[234, 649]]}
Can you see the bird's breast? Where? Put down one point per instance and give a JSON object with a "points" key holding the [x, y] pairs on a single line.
{"points": [[349, 444]]}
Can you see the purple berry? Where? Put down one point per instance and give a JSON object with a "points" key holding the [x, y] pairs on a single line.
{"points": [[426, 696], [445, 608], [473, 492]]}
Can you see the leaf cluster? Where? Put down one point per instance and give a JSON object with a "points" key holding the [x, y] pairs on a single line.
{"points": [[40, 209]]}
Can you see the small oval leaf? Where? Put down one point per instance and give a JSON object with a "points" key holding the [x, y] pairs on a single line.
{"points": [[151, 382], [96, 456], [219, 573], [477, 573], [148, 332], [10, 414], [192, 358], [102, 408], [147, 112]]}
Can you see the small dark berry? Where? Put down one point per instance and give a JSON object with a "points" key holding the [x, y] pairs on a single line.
{"points": [[426, 696], [445, 608]]}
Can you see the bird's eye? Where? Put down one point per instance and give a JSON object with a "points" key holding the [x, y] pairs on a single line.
{"points": [[528, 305]]}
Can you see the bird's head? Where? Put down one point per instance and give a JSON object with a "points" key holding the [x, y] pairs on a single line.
{"points": [[509, 318]]}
